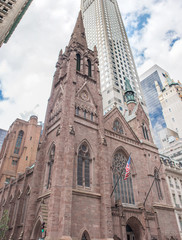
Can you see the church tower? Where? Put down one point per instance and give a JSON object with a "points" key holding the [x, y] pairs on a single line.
{"points": [[70, 166]]}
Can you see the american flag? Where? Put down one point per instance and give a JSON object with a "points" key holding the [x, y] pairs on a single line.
{"points": [[127, 168]]}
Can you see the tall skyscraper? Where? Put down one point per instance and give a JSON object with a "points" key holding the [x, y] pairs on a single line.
{"points": [[105, 29], [155, 73], [11, 12]]}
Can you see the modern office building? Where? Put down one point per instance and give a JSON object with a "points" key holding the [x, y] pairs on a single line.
{"points": [[11, 12], [2, 136], [148, 79], [105, 29]]}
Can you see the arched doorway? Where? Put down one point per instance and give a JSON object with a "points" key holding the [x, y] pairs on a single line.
{"points": [[129, 233], [134, 229]]}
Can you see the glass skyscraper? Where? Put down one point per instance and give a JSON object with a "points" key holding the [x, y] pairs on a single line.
{"points": [[105, 29], [148, 79]]}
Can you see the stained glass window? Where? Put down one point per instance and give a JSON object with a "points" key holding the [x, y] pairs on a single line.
{"points": [[83, 165], [145, 131], [124, 188], [18, 142]]}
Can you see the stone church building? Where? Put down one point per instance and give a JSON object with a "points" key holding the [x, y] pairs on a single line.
{"points": [[82, 157]]}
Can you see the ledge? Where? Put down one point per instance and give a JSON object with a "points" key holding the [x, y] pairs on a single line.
{"points": [[86, 194], [163, 206]]}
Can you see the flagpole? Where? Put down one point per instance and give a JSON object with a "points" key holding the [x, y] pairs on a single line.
{"points": [[116, 184], [118, 180], [150, 188]]}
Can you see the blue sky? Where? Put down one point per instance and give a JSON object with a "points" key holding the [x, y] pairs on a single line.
{"points": [[27, 61]]}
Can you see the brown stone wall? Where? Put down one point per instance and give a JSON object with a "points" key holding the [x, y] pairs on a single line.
{"points": [[85, 215]]}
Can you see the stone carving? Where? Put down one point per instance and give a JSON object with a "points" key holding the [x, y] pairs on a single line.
{"points": [[153, 238], [171, 238], [84, 96], [21, 236], [104, 142], [72, 130], [58, 131]]}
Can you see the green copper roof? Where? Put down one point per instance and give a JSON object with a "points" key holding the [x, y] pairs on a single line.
{"points": [[129, 93], [169, 80], [17, 20], [127, 85]]}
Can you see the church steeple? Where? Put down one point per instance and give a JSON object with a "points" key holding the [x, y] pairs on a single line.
{"points": [[129, 93], [78, 35]]}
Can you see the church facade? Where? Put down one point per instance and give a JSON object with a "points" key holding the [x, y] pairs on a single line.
{"points": [[76, 189]]}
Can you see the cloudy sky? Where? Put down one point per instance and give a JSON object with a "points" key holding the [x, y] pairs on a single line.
{"points": [[27, 61]]}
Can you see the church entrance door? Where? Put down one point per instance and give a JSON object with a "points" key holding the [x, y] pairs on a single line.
{"points": [[129, 232]]}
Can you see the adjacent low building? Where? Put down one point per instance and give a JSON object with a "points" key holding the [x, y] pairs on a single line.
{"points": [[173, 172], [19, 148], [173, 149]]}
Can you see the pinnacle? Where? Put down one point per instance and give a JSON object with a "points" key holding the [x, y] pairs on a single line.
{"points": [[78, 34]]}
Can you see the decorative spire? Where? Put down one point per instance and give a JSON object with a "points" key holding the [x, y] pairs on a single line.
{"points": [[129, 93], [78, 35]]}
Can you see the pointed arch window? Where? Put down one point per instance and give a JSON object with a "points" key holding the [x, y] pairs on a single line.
{"points": [[145, 131], [50, 164], [157, 183], [117, 127], [78, 61], [85, 236], [77, 111], [89, 68], [18, 142], [180, 222], [124, 188], [83, 165]]}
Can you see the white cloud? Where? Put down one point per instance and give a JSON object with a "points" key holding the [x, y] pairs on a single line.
{"points": [[27, 61], [165, 15]]}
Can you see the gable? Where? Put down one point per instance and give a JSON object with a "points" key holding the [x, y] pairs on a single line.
{"points": [[84, 98], [142, 115], [109, 120]]}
